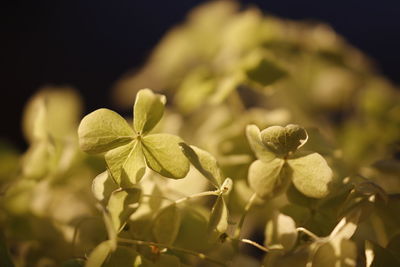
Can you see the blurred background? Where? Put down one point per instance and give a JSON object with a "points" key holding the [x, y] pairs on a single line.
{"points": [[89, 44]]}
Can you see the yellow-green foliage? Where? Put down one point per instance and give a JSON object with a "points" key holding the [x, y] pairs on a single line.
{"points": [[271, 126]]}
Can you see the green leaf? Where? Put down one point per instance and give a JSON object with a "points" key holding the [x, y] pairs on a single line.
{"points": [[99, 254], [226, 186], [328, 255], [72, 263], [121, 257], [44, 117], [264, 72], [267, 178], [339, 250], [281, 230], [102, 186], [311, 175], [122, 204], [204, 162], [194, 90], [219, 216], [297, 257], [103, 130], [283, 140], [127, 162], [254, 138], [37, 160], [164, 155], [388, 256], [166, 224], [147, 111]]}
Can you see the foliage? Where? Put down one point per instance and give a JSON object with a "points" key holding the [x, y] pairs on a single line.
{"points": [[275, 127]]}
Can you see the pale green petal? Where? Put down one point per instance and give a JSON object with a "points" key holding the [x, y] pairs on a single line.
{"points": [[103, 130], [311, 175], [126, 163], [121, 205], [147, 111], [204, 162], [254, 138], [267, 178], [166, 224], [164, 155]]}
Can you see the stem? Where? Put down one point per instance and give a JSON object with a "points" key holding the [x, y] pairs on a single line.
{"points": [[160, 197], [309, 233], [206, 193], [249, 203], [255, 244], [194, 253]]}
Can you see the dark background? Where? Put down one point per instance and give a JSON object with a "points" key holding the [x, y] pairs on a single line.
{"points": [[88, 44]]}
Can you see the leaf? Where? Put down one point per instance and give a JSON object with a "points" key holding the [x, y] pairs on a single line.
{"points": [[254, 138], [156, 198], [329, 256], [311, 175], [283, 140], [103, 186], [218, 216], [126, 161], [339, 250], [324, 256], [204, 162], [73, 263], [37, 160], [166, 225], [147, 111], [267, 178], [121, 257], [103, 130], [388, 256], [99, 254], [226, 186], [164, 155], [194, 90], [281, 230], [122, 204], [296, 137], [264, 72], [297, 257], [43, 115]]}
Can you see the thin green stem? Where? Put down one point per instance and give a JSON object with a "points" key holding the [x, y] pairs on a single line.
{"points": [[160, 197], [309, 233], [186, 251], [255, 244], [249, 204], [206, 193]]}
